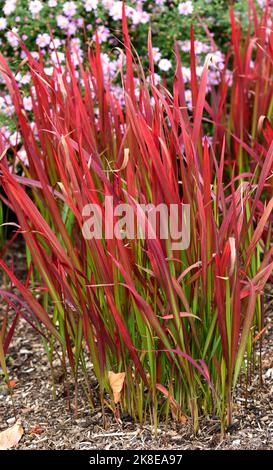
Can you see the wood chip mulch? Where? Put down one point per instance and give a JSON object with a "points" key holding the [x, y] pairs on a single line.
{"points": [[50, 424]]}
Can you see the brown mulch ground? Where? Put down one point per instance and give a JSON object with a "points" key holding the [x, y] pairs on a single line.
{"points": [[49, 424]]}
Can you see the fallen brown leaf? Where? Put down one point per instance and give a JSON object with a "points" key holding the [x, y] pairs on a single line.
{"points": [[36, 430], [11, 436], [11, 384], [116, 383], [183, 419]]}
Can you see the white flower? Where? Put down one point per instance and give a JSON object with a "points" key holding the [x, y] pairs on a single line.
{"points": [[35, 55], [3, 23], [35, 6], [199, 70], [156, 54], [107, 4], [201, 47], [22, 155], [116, 10], [52, 3], [90, 5], [164, 64], [43, 40], [48, 71], [9, 7], [69, 9], [27, 103], [57, 56], [188, 98], [25, 79], [55, 43], [14, 138], [157, 78], [186, 71], [185, 8]]}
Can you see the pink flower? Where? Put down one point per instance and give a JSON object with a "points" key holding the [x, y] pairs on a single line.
{"points": [[4, 131], [213, 77], [69, 9], [43, 40], [116, 10], [218, 59], [71, 29], [201, 47], [35, 6], [25, 79], [90, 5], [27, 103], [62, 21], [52, 3], [80, 22], [145, 17], [185, 46], [185, 8], [12, 38], [75, 43], [119, 94], [103, 33], [107, 4]]}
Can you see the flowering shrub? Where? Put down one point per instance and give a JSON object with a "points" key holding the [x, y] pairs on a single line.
{"points": [[34, 21]]}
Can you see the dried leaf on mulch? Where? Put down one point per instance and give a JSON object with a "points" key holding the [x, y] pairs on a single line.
{"points": [[11, 436]]}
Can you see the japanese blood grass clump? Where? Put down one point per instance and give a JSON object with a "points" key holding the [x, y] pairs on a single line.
{"points": [[180, 324]]}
